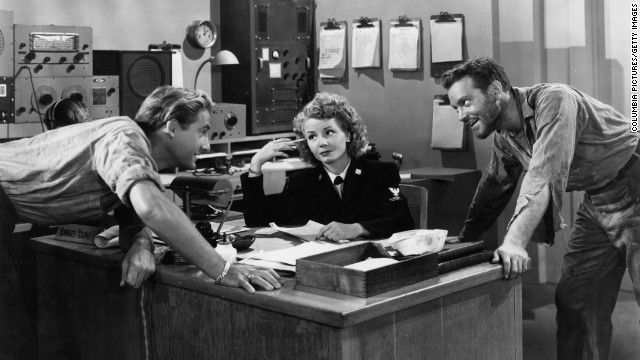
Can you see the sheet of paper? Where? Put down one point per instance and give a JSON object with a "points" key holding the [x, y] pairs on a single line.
{"points": [[108, 238], [237, 222], [371, 263], [404, 47], [331, 52], [227, 228], [290, 255], [266, 231], [366, 45], [447, 132], [307, 232], [446, 41], [269, 264]]}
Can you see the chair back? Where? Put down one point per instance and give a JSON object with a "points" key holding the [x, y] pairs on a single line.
{"points": [[417, 197]]}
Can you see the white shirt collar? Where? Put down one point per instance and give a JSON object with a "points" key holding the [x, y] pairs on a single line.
{"points": [[343, 174]]}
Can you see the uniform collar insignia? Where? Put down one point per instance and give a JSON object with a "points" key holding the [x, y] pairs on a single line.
{"points": [[395, 192]]}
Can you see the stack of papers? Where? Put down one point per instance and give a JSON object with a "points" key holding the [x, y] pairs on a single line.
{"points": [[307, 232], [371, 263], [285, 259]]}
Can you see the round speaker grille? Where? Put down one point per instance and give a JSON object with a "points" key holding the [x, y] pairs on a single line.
{"points": [[145, 75]]}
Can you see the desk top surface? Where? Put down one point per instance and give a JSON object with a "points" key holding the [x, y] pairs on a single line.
{"points": [[436, 173], [331, 308]]}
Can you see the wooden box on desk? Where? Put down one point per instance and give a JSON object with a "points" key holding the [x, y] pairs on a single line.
{"points": [[326, 271]]}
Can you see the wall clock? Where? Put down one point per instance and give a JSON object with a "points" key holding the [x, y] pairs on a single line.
{"points": [[202, 34]]}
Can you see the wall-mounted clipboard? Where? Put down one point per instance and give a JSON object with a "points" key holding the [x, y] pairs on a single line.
{"points": [[405, 44], [447, 42], [447, 132], [332, 51], [365, 49]]}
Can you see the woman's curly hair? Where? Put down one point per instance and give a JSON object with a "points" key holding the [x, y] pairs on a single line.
{"points": [[327, 106]]}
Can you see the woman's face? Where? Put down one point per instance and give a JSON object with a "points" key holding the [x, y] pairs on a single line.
{"points": [[327, 142]]}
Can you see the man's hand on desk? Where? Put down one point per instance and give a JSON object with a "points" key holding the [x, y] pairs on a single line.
{"points": [[139, 263], [246, 277], [515, 260]]}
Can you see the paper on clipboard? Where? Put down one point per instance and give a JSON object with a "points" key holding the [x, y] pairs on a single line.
{"points": [[404, 46], [447, 131], [446, 41], [332, 51], [332, 48], [366, 45]]}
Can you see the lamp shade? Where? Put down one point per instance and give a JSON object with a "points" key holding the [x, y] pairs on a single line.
{"points": [[224, 57]]}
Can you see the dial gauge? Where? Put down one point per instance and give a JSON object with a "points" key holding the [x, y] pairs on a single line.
{"points": [[202, 34]]}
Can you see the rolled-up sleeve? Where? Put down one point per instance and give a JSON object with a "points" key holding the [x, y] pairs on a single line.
{"points": [[556, 114], [124, 158]]}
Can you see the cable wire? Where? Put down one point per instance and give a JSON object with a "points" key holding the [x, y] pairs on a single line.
{"points": [[33, 88], [144, 323]]}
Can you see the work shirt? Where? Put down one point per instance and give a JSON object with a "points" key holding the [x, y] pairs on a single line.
{"points": [[76, 173], [569, 141]]}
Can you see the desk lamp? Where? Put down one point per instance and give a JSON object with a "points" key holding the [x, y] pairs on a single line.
{"points": [[216, 192], [224, 57]]}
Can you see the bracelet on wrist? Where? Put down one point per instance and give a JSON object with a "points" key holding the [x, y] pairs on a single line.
{"points": [[227, 265], [256, 173]]}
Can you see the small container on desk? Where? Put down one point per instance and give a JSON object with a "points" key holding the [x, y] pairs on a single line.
{"points": [[326, 271]]}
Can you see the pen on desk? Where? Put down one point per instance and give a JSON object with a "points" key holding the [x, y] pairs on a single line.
{"points": [[224, 216]]}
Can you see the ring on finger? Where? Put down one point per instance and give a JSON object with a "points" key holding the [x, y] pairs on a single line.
{"points": [[250, 277]]}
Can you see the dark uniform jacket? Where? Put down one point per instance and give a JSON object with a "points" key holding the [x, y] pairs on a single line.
{"points": [[370, 196]]}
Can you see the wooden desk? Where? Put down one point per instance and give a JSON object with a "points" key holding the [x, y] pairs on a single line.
{"points": [[83, 314]]}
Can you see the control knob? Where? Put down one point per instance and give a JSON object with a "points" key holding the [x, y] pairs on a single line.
{"points": [[45, 99], [230, 121], [30, 56]]}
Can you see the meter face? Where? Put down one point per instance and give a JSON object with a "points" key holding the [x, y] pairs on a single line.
{"points": [[46, 41]]}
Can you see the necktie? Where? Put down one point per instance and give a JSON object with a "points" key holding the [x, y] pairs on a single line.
{"points": [[337, 183]]}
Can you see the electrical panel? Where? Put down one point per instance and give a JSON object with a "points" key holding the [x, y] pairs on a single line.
{"points": [[6, 43], [274, 43], [139, 73], [6, 71], [51, 62], [105, 97], [228, 121]]}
